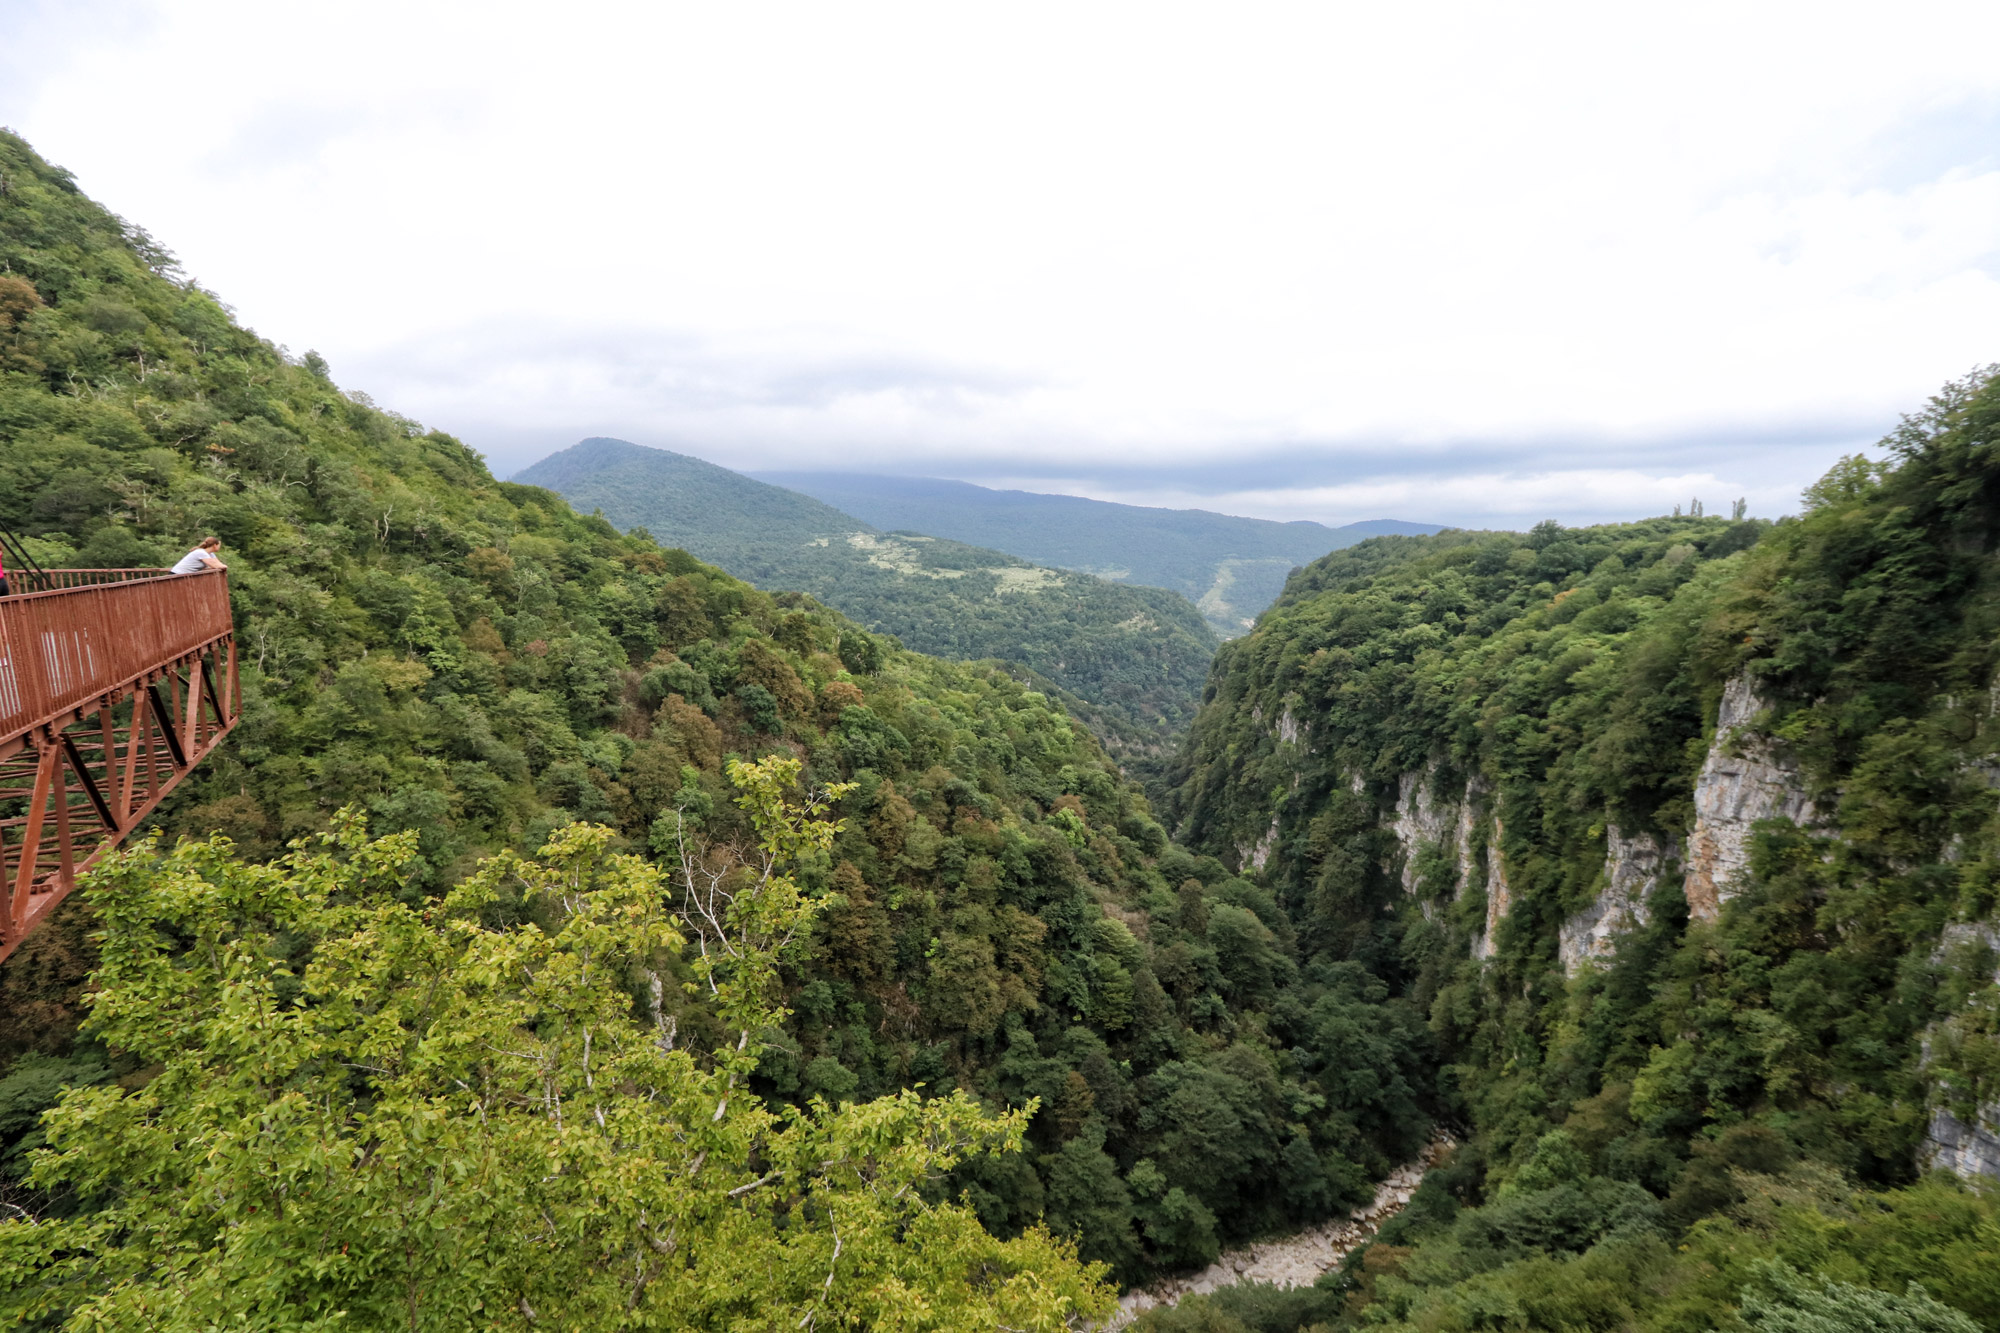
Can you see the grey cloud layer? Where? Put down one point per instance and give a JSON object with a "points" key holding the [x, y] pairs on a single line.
{"points": [[783, 403], [1767, 457], [1485, 277]]}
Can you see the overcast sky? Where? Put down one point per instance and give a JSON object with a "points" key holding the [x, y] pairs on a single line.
{"points": [[1474, 263]]}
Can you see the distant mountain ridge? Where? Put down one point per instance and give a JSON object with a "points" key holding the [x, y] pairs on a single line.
{"points": [[1230, 567], [705, 509], [1134, 656]]}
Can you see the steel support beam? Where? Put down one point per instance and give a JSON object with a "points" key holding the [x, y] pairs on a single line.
{"points": [[72, 789]]}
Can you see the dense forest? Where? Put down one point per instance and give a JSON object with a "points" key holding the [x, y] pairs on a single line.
{"points": [[1229, 567], [1133, 657], [573, 934], [1680, 834], [470, 665]]}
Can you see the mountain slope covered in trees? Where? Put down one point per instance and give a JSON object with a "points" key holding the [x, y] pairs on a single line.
{"points": [[1657, 860], [1681, 834], [1136, 656], [469, 665], [1230, 567]]}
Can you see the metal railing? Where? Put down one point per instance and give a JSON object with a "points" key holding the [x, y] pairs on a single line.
{"points": [[62, 649], [56, 580], [111, 691]]}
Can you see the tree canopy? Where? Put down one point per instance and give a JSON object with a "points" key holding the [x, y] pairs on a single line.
{"points": [[1133, 656], [475, 664], [1438, 751], [372, 1113]]}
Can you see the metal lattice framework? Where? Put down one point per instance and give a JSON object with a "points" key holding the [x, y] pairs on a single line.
{"points": [[114, 684]]}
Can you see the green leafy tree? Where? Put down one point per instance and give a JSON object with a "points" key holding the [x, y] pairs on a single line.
{"points": [[476, 663], [1784, 1301], [373, 1114]]}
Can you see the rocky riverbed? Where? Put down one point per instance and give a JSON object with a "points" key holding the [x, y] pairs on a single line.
{"points": [[1289, 1261]]}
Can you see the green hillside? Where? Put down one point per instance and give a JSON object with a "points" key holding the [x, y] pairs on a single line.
{"points": [[707, 510], [1681, 834], [1655, 861], [1135, 656], [470, 665], [1232, 568]]}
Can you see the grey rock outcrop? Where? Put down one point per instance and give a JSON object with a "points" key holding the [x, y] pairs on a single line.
{"points": [[1499, 897], [1468, 824], [1632, 866], [1975, 935], [1950, 1144], [1965, 1150], [1743, 780], [1256, 855], [1424, 819], [1421, 821]]}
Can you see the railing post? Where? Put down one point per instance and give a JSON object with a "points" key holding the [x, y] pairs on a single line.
{"points": [[134, 744], [7, 927], [108, 734], [31, 842], [65, 847], [191, 733]]}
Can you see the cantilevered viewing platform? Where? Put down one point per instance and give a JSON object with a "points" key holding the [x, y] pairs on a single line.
{"points": [[114, 684]]}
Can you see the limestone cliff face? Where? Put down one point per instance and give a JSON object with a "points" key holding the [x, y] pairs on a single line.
{"points": [[1632, 867], [1257, 854], [1743, 780], [1966, 1150], [1468, 824], [1498, 896], [1426, 819], [1421, 820], [1950, 1144]]}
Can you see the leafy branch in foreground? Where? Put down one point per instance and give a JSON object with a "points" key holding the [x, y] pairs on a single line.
{"points": [[377, 1114], [746, 913]]}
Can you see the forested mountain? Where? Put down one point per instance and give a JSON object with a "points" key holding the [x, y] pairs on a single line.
{"points": [[1134, 656], [468, 665], [1657, 861], [1681, 835], [720, 515], [1232, 568]]}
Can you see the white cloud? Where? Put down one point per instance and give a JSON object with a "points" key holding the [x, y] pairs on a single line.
{"points": [[1075, 240], [1476, 499]]}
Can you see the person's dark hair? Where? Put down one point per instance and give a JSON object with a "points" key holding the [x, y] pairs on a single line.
{"points": [[210, 543]]}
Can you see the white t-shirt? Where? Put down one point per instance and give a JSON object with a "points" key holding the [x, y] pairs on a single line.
{"points": [[193, 562]]}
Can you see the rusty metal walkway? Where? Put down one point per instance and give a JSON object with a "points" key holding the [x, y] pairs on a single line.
{"points": [[114, 684]]}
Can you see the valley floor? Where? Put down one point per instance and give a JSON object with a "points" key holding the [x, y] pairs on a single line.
{"points": [[1297, 1260]]}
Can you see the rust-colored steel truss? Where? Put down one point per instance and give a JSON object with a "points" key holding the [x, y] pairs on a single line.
{"points": [[110, 693]]}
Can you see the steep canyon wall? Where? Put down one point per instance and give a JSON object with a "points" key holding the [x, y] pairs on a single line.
{"points": [[1488, 763]]}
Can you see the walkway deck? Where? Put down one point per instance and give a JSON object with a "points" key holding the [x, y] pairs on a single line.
{"points": [[114, 684]]}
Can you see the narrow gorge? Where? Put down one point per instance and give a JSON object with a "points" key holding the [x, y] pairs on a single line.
{"points": [[1680, 834]]}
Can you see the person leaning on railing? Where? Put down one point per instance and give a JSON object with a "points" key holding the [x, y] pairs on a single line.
{"points": [[201, 559]]}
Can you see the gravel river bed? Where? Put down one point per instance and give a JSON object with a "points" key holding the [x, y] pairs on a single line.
{"points": [[1296, 1260]]}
